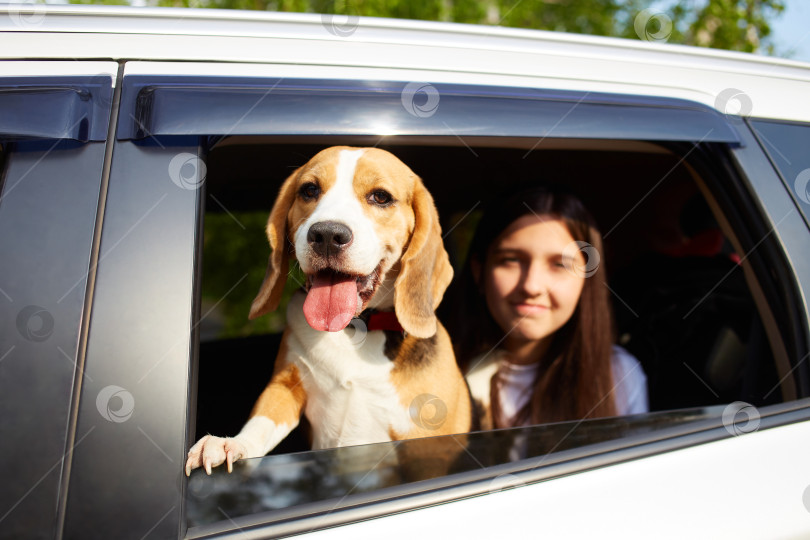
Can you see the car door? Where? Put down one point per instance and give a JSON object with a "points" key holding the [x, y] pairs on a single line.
{"points": [[194, 140]]}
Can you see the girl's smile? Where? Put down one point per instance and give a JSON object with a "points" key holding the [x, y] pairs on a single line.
{"points": [[531, 309]]}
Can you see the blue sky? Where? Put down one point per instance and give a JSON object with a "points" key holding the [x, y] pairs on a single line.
{"points": [[791, 30]]}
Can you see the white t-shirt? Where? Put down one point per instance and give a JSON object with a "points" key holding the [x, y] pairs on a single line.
{"points": [[628, 376]]}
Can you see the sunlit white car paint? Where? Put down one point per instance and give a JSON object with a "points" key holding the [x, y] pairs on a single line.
{"points": [[753, 486], [288, 44]]}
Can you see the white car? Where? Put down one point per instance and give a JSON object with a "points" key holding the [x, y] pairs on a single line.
{"points": [[141, 150]]}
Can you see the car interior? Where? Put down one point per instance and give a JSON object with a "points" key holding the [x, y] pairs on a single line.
{"points": [[684, 303]]}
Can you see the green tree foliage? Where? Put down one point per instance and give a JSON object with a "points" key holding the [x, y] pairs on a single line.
{"points": [[594, 17], [103, 2], [235, 252], [741, 25]]}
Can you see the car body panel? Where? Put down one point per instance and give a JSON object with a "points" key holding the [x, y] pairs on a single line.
{"points": [[759, 488], [448, 52]]}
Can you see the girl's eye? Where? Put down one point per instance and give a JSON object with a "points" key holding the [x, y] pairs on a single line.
{"points": [[309, 191], [567, 263], [380, 197]]}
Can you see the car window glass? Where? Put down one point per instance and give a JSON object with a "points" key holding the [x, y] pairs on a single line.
{"points": [[326, 480], [787, 145]]}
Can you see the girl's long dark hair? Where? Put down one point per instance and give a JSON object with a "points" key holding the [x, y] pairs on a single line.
{"points": [[574, 380]]}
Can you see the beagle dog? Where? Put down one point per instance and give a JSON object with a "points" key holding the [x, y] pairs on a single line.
{"points": [[363, 354]]}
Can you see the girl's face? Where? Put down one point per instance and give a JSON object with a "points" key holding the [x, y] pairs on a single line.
{"points": [[529, 281]]}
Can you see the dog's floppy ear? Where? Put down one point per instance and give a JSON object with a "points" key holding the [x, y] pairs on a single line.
{"points": [[277, 266], [425, 272]]}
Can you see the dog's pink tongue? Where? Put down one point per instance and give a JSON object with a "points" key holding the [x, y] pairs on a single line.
{"points": [[331, 302]]}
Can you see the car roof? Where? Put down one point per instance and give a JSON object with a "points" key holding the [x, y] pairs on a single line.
{"points": [[323, 46]]}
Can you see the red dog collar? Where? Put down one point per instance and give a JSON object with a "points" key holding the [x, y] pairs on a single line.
{"points": [[384, 320]]}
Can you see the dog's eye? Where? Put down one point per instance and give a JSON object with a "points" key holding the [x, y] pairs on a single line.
{"points": [[309, 191], [380, 197]]}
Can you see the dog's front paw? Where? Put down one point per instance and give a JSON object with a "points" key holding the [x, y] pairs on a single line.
{"points": [[212, 451]]}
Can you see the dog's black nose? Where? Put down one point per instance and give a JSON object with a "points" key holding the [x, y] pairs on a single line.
{"points": [[329, 237]]}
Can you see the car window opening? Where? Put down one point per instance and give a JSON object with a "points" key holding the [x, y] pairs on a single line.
{"points": [[681, 301], [696, 332]]}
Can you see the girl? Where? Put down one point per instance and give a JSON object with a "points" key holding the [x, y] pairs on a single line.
{"points": [[534, 328]]}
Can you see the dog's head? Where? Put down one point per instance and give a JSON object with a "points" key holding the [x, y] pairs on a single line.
{"points": [[357, 220]]}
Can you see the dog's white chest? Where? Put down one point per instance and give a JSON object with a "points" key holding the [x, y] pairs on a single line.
{"points": [[347, 379]]}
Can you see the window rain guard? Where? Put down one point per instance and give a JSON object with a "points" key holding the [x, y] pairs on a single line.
{"points": [[55, 107], [239, 106]]}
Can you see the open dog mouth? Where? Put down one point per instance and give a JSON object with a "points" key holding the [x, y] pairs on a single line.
{"points": [[334, 298]]}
